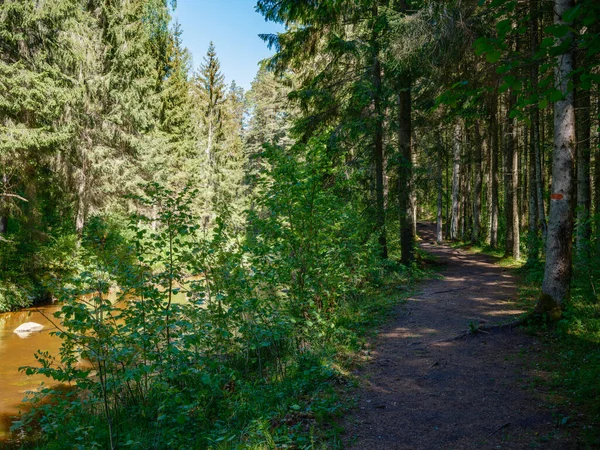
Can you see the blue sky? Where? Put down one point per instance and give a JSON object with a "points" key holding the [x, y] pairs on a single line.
{"points": [[233, 26]]}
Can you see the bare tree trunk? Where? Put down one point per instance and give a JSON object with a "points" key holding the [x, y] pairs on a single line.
{"points": [[495, 150], [475, 237], [438, 232], [405, 173], [532, 239], [378, 144], [209, 141], [466, 208], [3, 216], [515, 203], [81, 202], [524, 175], [413, 187], [488, 184], [447, 196], [454, 221], [536, 156], [539, 174], [511, 210], [558, 267], [583, 172]]}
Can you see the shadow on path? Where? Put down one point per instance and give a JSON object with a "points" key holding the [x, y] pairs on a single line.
{"points": [[422, 390]]}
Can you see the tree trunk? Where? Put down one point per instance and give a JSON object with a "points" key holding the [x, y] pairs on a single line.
{"points": [[511, 202], [532, 238], [438, 232], [413, 185], [3, 216], [536, 156], [454, 221], [81, 202], [583, 172], [557, 270], [405, 173], [524, 176], [475, 237], [494, 174], [447, 167], [378, 144]]}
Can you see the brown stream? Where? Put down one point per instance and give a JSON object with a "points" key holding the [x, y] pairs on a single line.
{"points": [[18, 350]]}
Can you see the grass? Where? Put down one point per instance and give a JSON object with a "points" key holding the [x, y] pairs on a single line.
{"points": [[571, 352]]}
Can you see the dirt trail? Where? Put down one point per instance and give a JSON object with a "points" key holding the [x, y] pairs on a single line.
{"points": [[424, 391]]}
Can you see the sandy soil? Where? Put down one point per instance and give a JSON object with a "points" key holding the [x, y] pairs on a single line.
{"points": [[422, 389]]}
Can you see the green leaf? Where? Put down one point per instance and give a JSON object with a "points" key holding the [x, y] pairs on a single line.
{"points": [[543, 103], [555, 96], [493, 56], [557, 30], [570, 15]]}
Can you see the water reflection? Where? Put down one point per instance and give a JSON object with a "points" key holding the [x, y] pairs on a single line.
{"points": [[18, 350]]}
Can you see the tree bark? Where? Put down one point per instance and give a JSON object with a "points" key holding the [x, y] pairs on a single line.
{"points": [[558, 267], [454, 221], [3, 214], [475, 237], [440, 161], [511, 179], [494, 174], [378, 142], [81, 203], [405, 173], [413, 183], [536, 156], [524, 176], [532, 238], [583, 173]]}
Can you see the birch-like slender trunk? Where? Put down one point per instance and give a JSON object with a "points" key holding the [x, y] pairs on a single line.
{"points": [[558, 267], [475, 237], [413, 184], [454, 220], [3, 215], [439, 223], [533, 239], [536, 156], [81, 202], [583, 172], [495, 150], [511, 200]]}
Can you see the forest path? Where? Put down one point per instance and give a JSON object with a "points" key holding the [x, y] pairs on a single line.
{"points": [[424, 390]]}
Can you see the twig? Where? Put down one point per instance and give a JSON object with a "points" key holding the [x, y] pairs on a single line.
{"points": [[448, 290], [499, 428], [15, 196]]}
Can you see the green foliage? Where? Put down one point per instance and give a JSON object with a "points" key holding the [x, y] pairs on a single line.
{"points": [[252, 343]]}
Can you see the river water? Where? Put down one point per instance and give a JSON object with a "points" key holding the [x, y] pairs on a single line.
{"points": [[18, 350]]}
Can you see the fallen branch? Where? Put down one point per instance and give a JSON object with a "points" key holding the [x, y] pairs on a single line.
{"points": [[448, 290], [499, 428], [14, 196]]}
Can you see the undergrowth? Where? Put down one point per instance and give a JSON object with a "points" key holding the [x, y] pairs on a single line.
{"points": [[572, 350], [260, 353]]}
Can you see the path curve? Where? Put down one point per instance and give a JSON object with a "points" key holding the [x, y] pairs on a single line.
{"points": [[422, 390]]}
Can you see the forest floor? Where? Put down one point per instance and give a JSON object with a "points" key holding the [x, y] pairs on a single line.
{"points": [[424, 388]]}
